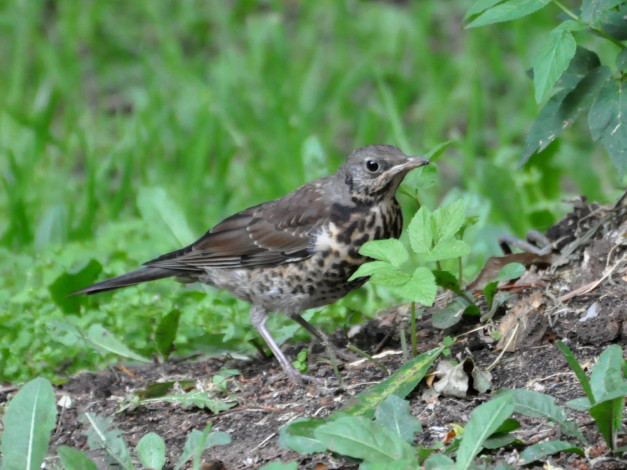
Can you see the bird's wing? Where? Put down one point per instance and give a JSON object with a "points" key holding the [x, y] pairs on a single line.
{"points": [[269, 234]]}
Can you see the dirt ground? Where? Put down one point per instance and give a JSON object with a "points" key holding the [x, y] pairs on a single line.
{"points": [[576, 293]]}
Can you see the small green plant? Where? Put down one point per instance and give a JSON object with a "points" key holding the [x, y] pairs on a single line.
{"points": [[31, 415], [301, 361], [572, 75]]}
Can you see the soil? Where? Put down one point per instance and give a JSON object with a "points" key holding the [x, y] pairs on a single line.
{"points": [[575, 291]]}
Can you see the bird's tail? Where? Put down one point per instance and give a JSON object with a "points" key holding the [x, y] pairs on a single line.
{"points": [[128, 279]]}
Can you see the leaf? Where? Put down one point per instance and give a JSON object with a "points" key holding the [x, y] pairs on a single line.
{"points": [[28, 421], [104, 339], [536, 404], [195, 398], [606, 379], [391, 278], [101, 434], [542, 449], [280, 466], [390, 250], [448, 220], [448, 249], [507, 11], [359, 437], [151, 451], [163, 215], [580, 65], [448, 281], [400, 383], [372, 267], [299, 436], [591, 10], [419, 231], [435, 153], [479, 6], [613, 23], [561, 110], [483, 422], [166, 332], [608, 121], [439, 462], [510, 271], [608, 416], [553, 58], [451, 314], [197, 442], [576, 368], [395, 414], [420, 288], [72, 281], [74, 459]]}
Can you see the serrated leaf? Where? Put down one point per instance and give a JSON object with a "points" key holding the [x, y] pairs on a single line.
{"points": [[151, 451], [580, 65], [28, 421], [105, 340], [359, 437], [420, 288], [163, 215], [391, 278], [507, 11], [395, 414], [608, 121], [372, 267], [483, 422], [165, 333], [448, 281], [591, 10], [420, 231], [552, 59], [299, 436], [74, 459], [448, 220], [542, 449], [390, 250], [561, 110], [448, 249]]}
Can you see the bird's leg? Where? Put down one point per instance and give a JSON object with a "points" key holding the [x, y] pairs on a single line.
{"points": [[258, 318], [324, 340]]}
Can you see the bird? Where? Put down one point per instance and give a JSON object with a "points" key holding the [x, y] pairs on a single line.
{"points": [[297, 252]]}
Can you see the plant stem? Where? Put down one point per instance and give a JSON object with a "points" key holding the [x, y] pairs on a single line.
{"points": [[597, 30], [567, 10], [414, 345]]}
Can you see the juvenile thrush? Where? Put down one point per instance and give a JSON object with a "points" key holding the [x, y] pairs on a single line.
{"points": [[296, 252]]}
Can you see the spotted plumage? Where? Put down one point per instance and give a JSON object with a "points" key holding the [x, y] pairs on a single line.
{"points": [[296, 252]]}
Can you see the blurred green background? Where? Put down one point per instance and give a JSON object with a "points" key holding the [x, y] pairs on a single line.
{"points": [[129, 128]]}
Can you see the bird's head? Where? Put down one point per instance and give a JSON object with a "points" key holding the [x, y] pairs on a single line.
{"points": [[373, 173]]}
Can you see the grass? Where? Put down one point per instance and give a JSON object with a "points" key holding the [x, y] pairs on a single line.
{"points": [[225, 105]]}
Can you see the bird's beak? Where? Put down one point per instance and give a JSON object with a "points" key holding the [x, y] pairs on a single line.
{"points": [[411, 163]]}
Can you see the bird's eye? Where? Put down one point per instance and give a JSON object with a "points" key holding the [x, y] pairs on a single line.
{"points": [[372, 165]]}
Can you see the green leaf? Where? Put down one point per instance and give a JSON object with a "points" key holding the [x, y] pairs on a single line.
{"points": [[483, 422], [439, 462], [280, 466], [166, 332], [451, 314], [372, 267], [420, 288], [390, 250], [576, 368], [391, 278], [606, 379], [448, 281], [395, 414], [510, 271], [400, 383], [542, 449], [613, 23], [608, 416], [151, 451], [195, 398], [507, 11], [536, 404], [448, 249], [479, 6], [197, 442], [164, 216], [101, 434], [580, 65], [28, 420], [448, 220], [561, 110], [435, 153], [591, 10], [299, 436], [74, 459], [608, 121], [104, 339], [72, 281], [553, 58], [420, 232], [359, 437]]}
